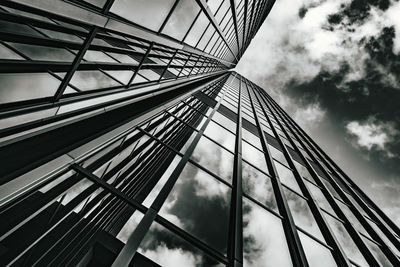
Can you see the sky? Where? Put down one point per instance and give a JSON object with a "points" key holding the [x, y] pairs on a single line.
{"points": [[334, 66]]}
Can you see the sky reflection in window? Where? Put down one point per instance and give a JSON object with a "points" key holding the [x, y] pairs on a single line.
{"points": [[302, 214], [258, 186], [199, 204], [214, 158], [264, 242], [169, 250]]}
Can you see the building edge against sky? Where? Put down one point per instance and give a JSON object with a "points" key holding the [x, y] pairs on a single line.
{"points": [[126, 140]]}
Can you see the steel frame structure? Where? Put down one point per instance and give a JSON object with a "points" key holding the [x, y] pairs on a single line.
{"points": [[95, 174]]}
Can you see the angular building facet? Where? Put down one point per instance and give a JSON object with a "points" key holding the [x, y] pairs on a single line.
{"points": [[127, 140]]}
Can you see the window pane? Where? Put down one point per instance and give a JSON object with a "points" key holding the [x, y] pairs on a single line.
{"points": [[377, 252], [25, 86], [220, 135], [258, 185], [278, 155], [90, 80], [286, 176], [319, 197], [383, 236], [163, 179], [214, 158], [121, 75], [130, 225], [345, 241], [6, 53], [352, 218], [251, 138], [303, 171], [316, 253], [254, 156], [167, 249], [226, 122], [264, 242], [45, 53], [181, 19], [148, 13], [302, 214], [199, 204], [197, 30]]}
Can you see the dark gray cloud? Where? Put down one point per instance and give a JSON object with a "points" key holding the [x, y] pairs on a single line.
{"points": [[357, 11], [339, 61]]}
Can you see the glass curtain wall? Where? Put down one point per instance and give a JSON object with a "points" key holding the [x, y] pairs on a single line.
{"points": [[221, 177]]}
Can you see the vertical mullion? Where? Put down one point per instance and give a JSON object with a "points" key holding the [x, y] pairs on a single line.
{"points": [[140, 64], [168, 16], [246, 3], [129, 250], [184, 64], [75, 63], [253, 10], [235, 24], [166, 67], [292, 237], [352, 231], [236, 215], [107, 6], [326, 159], [207, 12], [384, 247], [340, 257]]}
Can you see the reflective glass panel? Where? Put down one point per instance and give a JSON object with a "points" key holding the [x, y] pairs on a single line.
{"points": [[45, 53], [90, 80], [163, 179], [181, 19], [130, 225], [251, 138], [316, 253], [375, 249], [6, 53], [345, 241], [286, 176], [221, 136], [167, 249], [24, 86], [319, 197], [258, 185], [278, 155], [226, 122], [199, 204], [197, 30], [264, 241], [214, 158], [254, 156], [302, 214], [148, 13], [352, 218]]}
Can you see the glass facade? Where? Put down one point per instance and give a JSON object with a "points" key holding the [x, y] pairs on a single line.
{"points": [[126, 140]]}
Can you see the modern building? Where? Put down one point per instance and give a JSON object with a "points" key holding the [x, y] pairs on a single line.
{"points": [[127, 140]]}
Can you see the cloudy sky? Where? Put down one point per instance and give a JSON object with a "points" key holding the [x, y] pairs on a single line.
{"points": [[334, 66]]}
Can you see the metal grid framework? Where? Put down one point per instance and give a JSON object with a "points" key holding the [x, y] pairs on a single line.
{"points": [[62, 59], [222, 176], [79, 50], [125, 140]]}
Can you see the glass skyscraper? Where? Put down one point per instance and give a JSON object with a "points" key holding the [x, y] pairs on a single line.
{"points": [[127, 140]]}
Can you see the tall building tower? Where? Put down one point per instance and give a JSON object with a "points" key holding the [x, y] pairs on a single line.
{"points": [[126, 140]]}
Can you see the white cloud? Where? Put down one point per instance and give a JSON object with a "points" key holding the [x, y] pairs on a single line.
{"points": [[288, 47], [371, 134], [309, 116], [171, 257], [392, 18]]}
